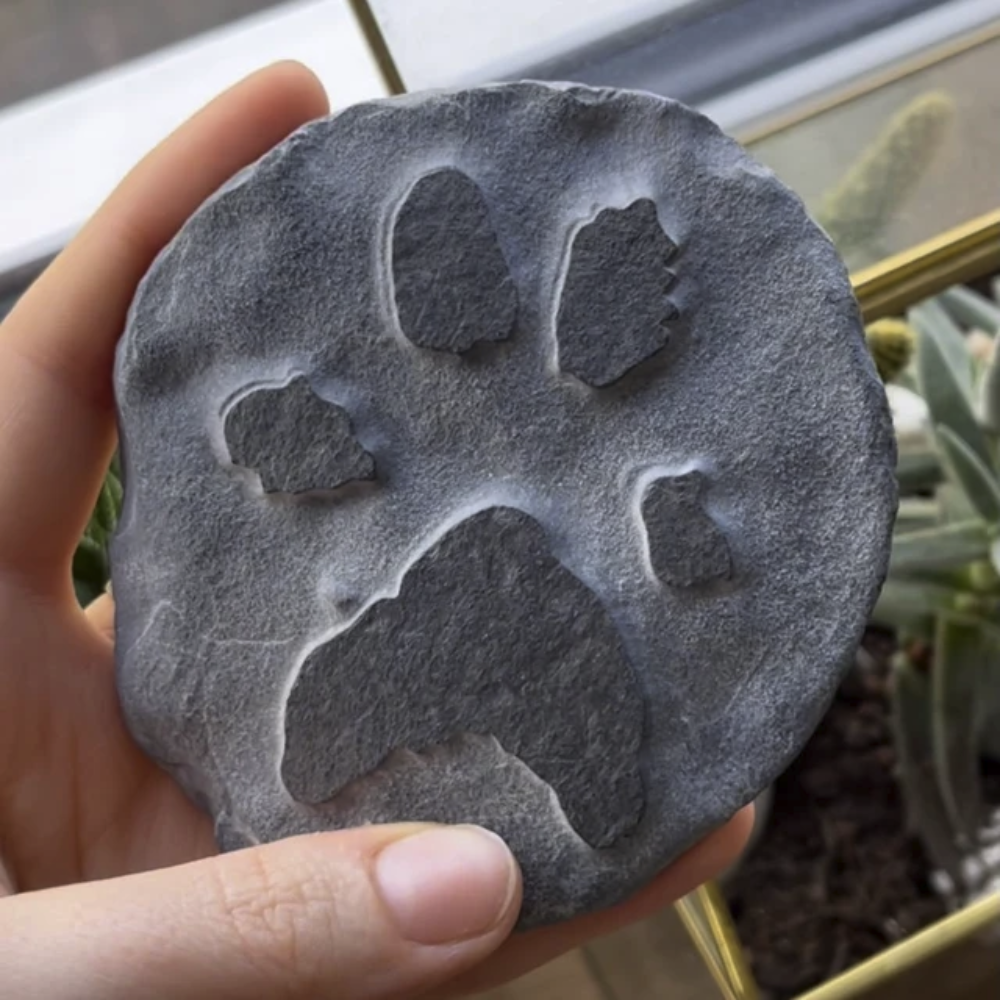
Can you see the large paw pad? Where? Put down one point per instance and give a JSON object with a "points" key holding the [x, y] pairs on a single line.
{"points": [[490, 635]]}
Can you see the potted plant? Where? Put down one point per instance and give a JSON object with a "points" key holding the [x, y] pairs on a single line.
{"points": [[914, 736], [943, 599]]}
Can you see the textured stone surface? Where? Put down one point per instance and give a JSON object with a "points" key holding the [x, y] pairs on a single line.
{"points": [[633, 499]]}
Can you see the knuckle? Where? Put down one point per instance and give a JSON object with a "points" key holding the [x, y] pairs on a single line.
{"points": [[275, 921]]}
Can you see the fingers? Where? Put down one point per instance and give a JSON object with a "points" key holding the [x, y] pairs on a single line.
{"points": [[374, 913], [57, 346], [525, 952]]}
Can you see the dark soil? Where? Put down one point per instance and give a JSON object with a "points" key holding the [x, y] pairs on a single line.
{"points": [[837, 877]]}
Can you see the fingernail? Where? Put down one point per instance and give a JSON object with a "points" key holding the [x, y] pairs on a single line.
{"points": [[448, 884]]}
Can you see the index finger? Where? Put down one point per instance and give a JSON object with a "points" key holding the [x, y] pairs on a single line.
{"points": [[57, 345]]}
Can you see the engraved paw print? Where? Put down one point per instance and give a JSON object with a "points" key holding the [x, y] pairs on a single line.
{"points": [[472, 476], [490, 631]]}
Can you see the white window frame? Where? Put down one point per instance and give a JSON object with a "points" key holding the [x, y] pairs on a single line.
{"points": [[498, 37], [62, 152], [745, 108]]}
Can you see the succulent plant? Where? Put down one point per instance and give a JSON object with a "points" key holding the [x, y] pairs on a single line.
{"points": [[943, 597], [856, 213]]}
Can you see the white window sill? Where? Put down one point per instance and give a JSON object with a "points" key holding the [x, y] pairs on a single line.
{"points": [[63, 152]]}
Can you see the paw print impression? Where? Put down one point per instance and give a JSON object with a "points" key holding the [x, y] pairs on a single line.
{"points": [[490, 635], [326, 455], [686, 547], [614, 312], [452, 284]]}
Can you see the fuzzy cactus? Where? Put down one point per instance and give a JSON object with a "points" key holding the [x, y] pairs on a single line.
{"points": [[858, 210]]}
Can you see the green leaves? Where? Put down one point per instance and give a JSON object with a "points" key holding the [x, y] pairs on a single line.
{"points": [[944, 589], [935, 549], [989, 396], [944, 372], [962, 653], [909, 603], [928, 813], [972, 309], [978, 482], [91, 566]]}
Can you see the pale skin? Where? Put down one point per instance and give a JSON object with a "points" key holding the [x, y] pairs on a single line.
{"points": [[110, 882]]}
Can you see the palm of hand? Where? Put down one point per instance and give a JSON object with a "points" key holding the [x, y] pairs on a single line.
{"points": [[78, 799]]}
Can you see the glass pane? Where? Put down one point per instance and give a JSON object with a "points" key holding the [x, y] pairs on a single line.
{"points": [[811, 86], [692, 50], [699, 51], [48, 43], [441, 42], [900, 163]]}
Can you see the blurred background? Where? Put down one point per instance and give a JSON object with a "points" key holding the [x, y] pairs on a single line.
{"points": [[875, 866], [45, 44], [87, 86]]}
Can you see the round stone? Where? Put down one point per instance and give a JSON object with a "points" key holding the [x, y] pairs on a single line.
{"points": [[507, 456]]}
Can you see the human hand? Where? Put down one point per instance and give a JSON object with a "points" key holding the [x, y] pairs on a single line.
{"points": [[111, 883]]}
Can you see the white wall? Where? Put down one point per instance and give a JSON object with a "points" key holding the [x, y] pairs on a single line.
{"points": [[444, 42]]}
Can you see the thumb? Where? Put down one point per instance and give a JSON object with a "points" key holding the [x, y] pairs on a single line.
{"points": [[379, 912]]}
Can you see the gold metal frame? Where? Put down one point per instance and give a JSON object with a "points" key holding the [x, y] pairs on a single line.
{"points": [[707, 920], [375, 37], [908, 954], [967, 252]]}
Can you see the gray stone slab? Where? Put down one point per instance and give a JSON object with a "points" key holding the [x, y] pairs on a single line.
{"points": [[508, 456]]}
